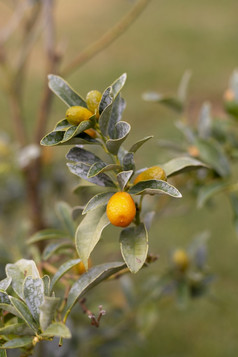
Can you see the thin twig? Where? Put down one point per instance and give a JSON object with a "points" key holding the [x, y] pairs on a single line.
{"points": [[95, 321], [106, 39]]}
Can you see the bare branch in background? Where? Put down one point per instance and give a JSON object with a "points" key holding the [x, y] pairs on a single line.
{"points": [[110, 36]]}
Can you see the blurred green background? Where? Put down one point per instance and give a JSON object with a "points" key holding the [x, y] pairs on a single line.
{"points": [[168, 38]]}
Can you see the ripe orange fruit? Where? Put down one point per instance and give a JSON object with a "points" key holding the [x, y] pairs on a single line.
{"points": [[79, 269], [91, 133], [93, 99], [180, 259], [153, 173], [121, 209], [229, 95], [77, 114], [193, 151]]}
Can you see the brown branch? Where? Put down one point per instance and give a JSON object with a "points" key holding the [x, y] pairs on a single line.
{"points": [[95, 321], [110, 36]]}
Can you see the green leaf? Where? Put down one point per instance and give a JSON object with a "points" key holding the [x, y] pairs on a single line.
{"points": [[205, 121], [17, 343], [153, 187], [46, 234], [75, 130], [80, 169], [53, 138], [100, 167], [105, 117], [19, 329], [33, 295], [57, 329], [208, 191], [62, 270], [170, 102], [4, 299], [23, 310], [129, 162], [212, 153], [5, 283], [89, 232], [11, 309], [65, 92], [62, 125], [47, 311], [99, 200], [3, 353], [90, 279], [118, 108], [18, 271], [183, 86], [139, 143], [64, 212], [122, 130], [77, 154], [134, 246], [181, 164], [52, 248], [123, 177], [46, 282]]}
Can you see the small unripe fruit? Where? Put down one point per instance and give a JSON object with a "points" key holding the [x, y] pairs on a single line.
{"points": [[180, 260], [153, 173], [76, 114], [121, 209], [93, 99]]}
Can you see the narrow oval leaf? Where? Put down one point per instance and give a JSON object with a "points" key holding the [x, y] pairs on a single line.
{"points": [[53, 138], [106, 100], [47, 311], [80, 169], [129, 162], [170, 102], [89, 232], [77, 129], [4, 299], [46, 234], [33, 295], [139, 143], [3, 352], [208, 191], [62, 125], [19, 329], [5, 283], [105, 117], [99, 200], [62, 270], [18, 271], [65, 92], [17, 343], [90, 279], [118, 108], [181, 164], [57, 329], [23, 310], [205, 121], [154, 187], [134, 246], [212, 153], [100, 167], [78, 154], [64, 212], [122, 131], [46, 282], [53, 248], [123, 177], [11, 309]]}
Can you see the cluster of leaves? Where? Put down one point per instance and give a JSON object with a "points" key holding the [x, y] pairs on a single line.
{"points": [[113, 174], [212, 140]]}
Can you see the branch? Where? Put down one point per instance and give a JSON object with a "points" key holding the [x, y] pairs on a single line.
{"points": [[95, 321], [106, 39]]}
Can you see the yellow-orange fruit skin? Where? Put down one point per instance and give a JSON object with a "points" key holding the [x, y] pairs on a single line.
{"points": [[93, 99], [91, 133], [76, 114], [229, 95], [79, 269], [180, 259], [121, 209], [153, 173]]}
